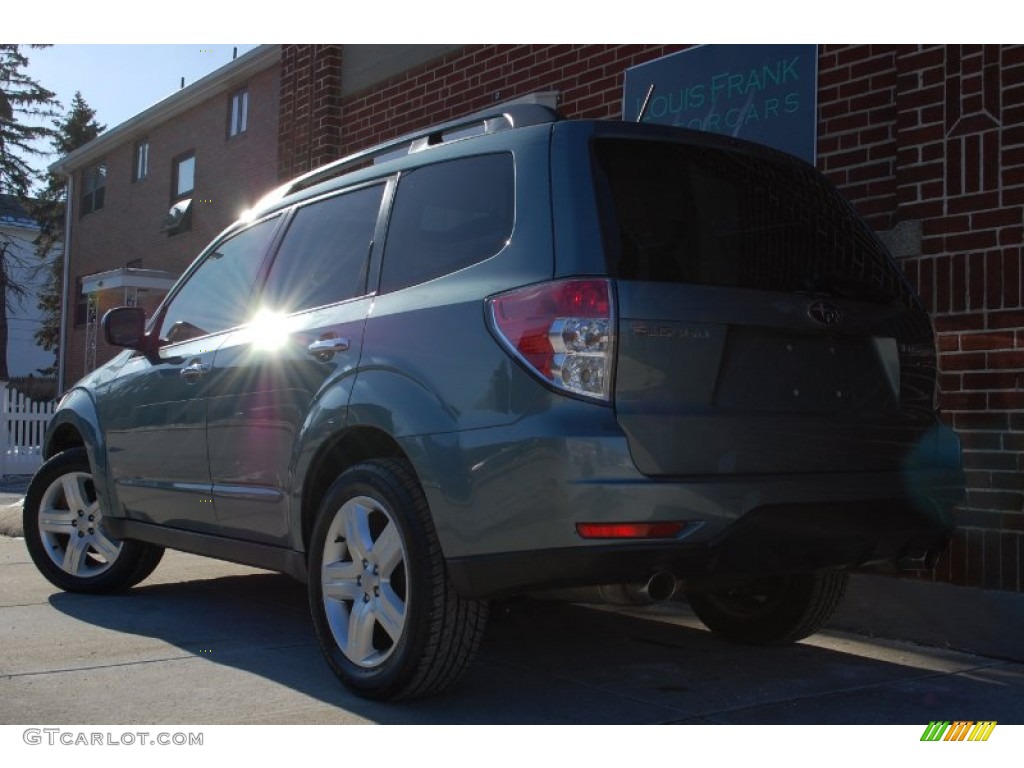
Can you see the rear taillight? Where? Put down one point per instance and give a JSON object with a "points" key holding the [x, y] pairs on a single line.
{"points": [[564, 331]]}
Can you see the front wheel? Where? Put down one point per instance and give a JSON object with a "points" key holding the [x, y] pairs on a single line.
{"points": [[387, 617], [66, 536], [772, 610]]}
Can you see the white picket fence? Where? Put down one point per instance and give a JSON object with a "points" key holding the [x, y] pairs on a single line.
{"points": [[22, 425]]}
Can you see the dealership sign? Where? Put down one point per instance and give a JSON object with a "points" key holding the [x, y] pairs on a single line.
{"points": [[762, 93]]}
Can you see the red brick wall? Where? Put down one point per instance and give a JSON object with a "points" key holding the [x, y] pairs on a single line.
{"points": [[588, 77], [936, 134], [231, 175], [310, 117]]}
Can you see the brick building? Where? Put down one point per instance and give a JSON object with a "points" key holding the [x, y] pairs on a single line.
{"points": [[209, 151], [926, 141]]}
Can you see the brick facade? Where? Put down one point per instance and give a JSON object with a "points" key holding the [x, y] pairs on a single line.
{"points": [[310, 117], [935, 135], [925, 140]]}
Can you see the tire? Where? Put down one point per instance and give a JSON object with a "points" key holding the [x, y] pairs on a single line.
{"points": [[387, 617], [65, 535], [773, 610]]}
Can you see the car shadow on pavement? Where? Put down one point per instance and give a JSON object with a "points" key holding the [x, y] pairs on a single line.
{"points": [[540, 663]]}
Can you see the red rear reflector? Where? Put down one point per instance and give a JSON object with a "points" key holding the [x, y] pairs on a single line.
{"points": [[629, 530]]}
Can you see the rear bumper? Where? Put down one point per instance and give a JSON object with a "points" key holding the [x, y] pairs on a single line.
{"points": [[780, 538], [506, 502]]}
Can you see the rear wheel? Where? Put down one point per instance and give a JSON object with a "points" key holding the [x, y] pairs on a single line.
{"points": [[387, 617], [66, 536], [772, 610]]}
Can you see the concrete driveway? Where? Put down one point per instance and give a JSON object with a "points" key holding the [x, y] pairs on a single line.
{"points": [[203, 641]]}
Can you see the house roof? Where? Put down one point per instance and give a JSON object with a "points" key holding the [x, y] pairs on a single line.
{"points": [[13, 213], [216, 82]]}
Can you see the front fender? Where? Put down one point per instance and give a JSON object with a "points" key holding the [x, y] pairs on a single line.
{"points": [[76, 420]]}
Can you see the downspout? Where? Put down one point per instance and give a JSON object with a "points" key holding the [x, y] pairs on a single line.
{"points": [[66, 256]]}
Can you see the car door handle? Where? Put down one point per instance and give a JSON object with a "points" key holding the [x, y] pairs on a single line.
{"points": [[191, 373], [324, 349]]}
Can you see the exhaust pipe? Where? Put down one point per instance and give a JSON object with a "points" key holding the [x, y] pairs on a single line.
{"points": [[659, 587]]}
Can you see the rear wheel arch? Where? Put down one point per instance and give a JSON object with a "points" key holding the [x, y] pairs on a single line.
{"points": [[346, 449]]}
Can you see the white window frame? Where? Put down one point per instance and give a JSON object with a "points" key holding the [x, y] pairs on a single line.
{"points": [[140, 164], [179, 193], [238, 117]]}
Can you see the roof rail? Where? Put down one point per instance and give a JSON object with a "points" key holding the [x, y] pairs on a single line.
{"points": [[500, 118]]}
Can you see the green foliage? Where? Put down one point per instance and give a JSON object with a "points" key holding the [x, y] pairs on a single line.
{"points": [[25, 106]]}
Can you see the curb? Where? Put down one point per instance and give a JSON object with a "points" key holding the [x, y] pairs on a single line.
{"points": [[986, 622], [10, 514]]}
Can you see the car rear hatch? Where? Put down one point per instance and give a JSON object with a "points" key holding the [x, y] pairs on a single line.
{"points": [[762, 327]]}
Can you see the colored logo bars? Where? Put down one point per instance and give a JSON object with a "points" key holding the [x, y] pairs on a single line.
{"points": [[960, 730]]}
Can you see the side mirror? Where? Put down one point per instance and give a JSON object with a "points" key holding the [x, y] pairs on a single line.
{"points": [[125, 327]]}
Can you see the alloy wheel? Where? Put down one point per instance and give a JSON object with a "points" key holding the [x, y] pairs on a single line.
{"points": [[71, 527], [363, 580]]}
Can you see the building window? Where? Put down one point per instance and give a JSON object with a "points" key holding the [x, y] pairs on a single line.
{"points": [[140, 167], [94, 185], [184, 176], [238, 120]]}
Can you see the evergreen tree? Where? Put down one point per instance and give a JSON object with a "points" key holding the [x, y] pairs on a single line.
{"points": [[25, 107], [78, 127]]}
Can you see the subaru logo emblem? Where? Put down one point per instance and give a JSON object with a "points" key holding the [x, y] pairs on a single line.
{"points": [[825, 312]]}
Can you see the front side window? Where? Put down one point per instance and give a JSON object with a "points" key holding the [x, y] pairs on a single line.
{"points": [[448, 216], [325, 254], [184, 176], [216, 295], [94, 186], [140, 166], [238, 120]]}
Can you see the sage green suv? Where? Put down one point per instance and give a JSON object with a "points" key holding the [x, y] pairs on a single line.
{"points": [[517, 354]]}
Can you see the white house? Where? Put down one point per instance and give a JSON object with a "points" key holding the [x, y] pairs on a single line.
{"points": [[24, 355]]}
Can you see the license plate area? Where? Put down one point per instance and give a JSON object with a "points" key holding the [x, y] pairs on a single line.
{"points": [[775, 372]]}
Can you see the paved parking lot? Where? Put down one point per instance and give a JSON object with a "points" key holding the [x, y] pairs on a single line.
{"points": [[208, 642]]}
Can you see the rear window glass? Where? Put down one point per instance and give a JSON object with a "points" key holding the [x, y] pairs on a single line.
{"points": [[447, 216], [710, 216]]}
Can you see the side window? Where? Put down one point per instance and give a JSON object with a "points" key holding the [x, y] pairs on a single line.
{"points": [[217, 294], [325, 254], [448, 216]]}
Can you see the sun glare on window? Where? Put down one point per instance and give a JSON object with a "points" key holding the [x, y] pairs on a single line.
{"points": [[269, 330]]}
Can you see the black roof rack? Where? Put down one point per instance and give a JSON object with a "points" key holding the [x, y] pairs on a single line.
{"points": [[500, 118]]}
